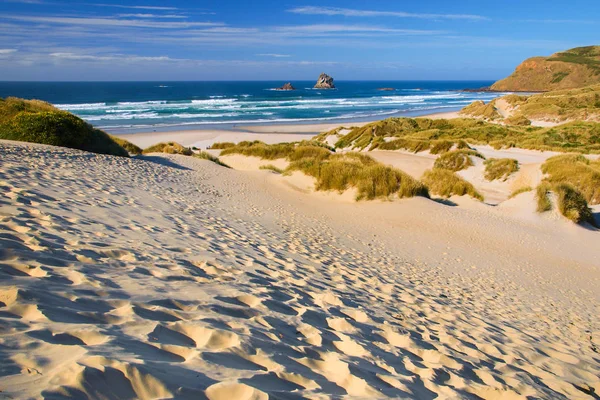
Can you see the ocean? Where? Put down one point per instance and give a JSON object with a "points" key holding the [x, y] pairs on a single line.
{"points": [[122, 107]]}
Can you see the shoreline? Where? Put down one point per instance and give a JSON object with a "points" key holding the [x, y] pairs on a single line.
{"points": [[270, 134]]}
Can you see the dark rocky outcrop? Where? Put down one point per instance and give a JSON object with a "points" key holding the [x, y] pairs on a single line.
{"points": [[324, 82], [287, 86]]}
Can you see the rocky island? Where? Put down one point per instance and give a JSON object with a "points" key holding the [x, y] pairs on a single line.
{"points": [[324, 82], [287, 86]]}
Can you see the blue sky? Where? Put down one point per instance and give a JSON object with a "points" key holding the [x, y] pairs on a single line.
{"points": [[284, 39]]}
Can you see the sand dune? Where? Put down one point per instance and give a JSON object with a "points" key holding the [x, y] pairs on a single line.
{"points": [[171, 277]]}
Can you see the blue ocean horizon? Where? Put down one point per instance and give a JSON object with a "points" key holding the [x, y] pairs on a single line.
{"points": [[129, 107]]}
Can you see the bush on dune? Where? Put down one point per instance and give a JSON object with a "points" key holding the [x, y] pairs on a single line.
{"points": [[577, 171], [500, 168], [446, 183], [571, 203], [54, 127], [169, 148], [221, 145], [456, 160]]}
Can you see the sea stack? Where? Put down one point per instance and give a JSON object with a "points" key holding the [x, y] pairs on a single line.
{"points": [[324, 82], [287, 86]]}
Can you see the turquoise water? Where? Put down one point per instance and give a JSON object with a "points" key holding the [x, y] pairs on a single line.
{"points": [[141, 106]]}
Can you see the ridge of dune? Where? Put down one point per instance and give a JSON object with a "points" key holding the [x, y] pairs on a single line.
{"points": [[168, 276]]}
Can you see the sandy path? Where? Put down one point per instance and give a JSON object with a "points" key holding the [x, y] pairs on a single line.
{"points": [[173, 277]]}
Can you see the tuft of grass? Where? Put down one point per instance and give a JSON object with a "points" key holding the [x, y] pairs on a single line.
{"points": [[127, 145], [541, 195], [441, 146], [520, 190], [169, 148], [39, 122], [518, 120], [261, 150], [572, 204], [207, 156], [221, 145], [479, 109], [446, 183], [456, 160], [500, 168], [577, 171], [271, 167]]}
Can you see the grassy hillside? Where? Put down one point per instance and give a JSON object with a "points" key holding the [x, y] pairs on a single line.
{"points": [[569, 69], [422, 134], [558, 105], [39, 122]]}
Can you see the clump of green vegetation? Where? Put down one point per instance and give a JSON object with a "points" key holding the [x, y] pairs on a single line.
{"points": [[372, 180], [441, 146], [500, 168], [572, 204], [541, 196], [261, 150], [418, 134], [127, 145], [577, 171], [518, 120], [479, 109], [456, 160], [559, 76], [207, 156], [169, 148], [271, 167], [520, 190], [446, 183], [39, 122], [221, 145]]}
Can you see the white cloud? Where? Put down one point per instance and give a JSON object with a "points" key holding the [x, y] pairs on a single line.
{"points": [[348, 12], [175, 16], [273, 55], [82, 21], [133, 7], [7, 51], [326, 28]]}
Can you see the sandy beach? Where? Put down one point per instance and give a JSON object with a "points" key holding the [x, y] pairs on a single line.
{"points": [[167, 276]]}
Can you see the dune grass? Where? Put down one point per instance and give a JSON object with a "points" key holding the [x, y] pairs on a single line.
{"points": [[273, 168], [207, 156], [577, 171], [127, 145], [446, 183], [572, 204], [441, 146], [500, 168], [520, 190], [261, 150], [479, 109], [221, 145], [456, 160], [418, 134], [517, 120], [541, 195], [169, 148]]}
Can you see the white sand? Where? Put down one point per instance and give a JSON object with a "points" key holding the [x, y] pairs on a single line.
{"points": [[170, 276]]}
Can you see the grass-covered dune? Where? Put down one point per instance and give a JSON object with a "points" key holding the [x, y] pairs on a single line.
{"points": [[39, 122], [421, 134], [168, 148], [560, 105]]}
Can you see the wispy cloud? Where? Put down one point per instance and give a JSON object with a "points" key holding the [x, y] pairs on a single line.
{"points": [[139, 23], [7, 51], [175, 16], [273, 55], [157, 8], [337, 28], [349, 12]]}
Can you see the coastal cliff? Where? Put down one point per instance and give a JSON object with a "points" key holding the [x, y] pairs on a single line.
{"points": [[569, 69]]}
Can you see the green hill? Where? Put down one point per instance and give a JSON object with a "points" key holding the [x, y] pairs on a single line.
{"points": [[569, 69], [39, 122]]}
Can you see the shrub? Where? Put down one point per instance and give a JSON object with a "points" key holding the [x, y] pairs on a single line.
{"points": [[446, 183], [221, 145], [572, 204], [207, 156], [271, 167], [130, 147], [500, 168], [57, 128], [169, 148], [456, 160], [541, 196], [577, 171], [441, 146]]}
